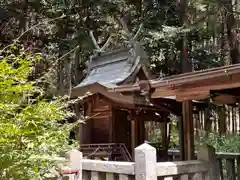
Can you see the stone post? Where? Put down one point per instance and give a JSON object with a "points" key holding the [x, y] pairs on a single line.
{"points": [[207, 154], [145, 162], [74, 162]]}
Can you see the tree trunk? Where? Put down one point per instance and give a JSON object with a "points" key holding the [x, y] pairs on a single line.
{"points": [[62, 60], [232, 36], [223, 42], [78, 71], [185, 64]]}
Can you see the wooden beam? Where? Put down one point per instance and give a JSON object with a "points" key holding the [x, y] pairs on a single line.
{"points": [[200, 88], [194, 77], [193, 96], [225, 99]]}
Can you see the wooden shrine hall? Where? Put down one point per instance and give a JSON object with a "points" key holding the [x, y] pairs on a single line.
{"points": [[115, 120], [220, 85]]}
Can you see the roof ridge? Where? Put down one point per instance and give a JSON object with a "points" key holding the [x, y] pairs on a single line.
{"points": [[107, 53], [107, 59], [104, 64]]}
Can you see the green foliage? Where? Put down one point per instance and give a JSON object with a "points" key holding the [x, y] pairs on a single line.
{"points": [[174, 140], [156, 137], [222, 143], [33, 130]]}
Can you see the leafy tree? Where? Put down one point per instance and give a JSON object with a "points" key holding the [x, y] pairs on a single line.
{"points": [[33, 130]]}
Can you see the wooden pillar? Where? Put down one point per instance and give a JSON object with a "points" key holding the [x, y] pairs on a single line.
{"points": [[163, 127], [110, 125], [78, 129], [137, 131], [197, 125], [141, 131], [113, 125], [207, 122], [188, 129], [222, 119], [133, 135]]}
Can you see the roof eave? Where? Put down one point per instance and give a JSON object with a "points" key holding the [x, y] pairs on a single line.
{"points": [[184, 78]]}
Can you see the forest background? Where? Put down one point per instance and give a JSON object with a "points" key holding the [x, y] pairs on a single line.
{"points": [[178, 35]]}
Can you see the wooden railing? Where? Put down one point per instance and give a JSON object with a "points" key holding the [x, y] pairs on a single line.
{"points": [[108, 151], [145, 167]]}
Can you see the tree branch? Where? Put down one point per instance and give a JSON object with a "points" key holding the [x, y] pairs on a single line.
{"points": [[94, 40], [15, 40], [124, 26], [106, 43], [138, 31]]}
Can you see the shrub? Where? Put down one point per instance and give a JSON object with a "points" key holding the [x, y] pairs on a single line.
{"points": [[33, 130], [222, 143]]}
